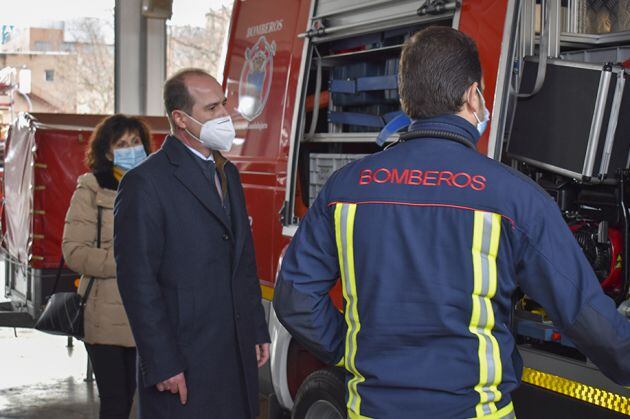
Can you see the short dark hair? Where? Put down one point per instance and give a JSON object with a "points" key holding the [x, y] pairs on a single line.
{"points": [[176, 94], [107, 132], [437, 65]]}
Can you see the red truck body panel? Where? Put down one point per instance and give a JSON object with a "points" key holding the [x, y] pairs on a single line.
{"points": [[262, 146]]}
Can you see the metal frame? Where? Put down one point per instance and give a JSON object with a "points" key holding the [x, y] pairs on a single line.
{"points": [[555, 27], [297, 125], [527, 19], [596, 124], [612, 124], [375, 25], [591, 39], [546, 166], [352, 8], [502, 91], [457, 18], [140, 60]]}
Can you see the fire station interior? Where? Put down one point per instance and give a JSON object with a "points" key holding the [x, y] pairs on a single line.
{"points": [[569, 64], [560, 116]]}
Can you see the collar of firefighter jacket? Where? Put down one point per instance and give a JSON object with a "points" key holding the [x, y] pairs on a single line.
{"points": [[451, 123]]}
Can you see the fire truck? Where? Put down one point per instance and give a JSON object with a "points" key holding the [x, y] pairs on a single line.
{"points": [[311, 86]]}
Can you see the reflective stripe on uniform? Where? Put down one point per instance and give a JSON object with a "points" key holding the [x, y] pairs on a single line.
{"points": [[506, 412], [344, 233], [486, 236]]}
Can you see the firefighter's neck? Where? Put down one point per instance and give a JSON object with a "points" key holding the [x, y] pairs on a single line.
{"points": [[187, 138], [468, 115]]}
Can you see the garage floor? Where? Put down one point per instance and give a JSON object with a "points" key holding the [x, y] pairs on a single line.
{"points": [[41, 378]]}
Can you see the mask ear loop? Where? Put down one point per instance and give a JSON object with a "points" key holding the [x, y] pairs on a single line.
{"points": [[483, 104], [190, 133]]}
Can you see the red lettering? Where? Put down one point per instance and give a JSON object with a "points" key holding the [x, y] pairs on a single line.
{"points": [[415, 177], [430, 178], [460, 185], [365, 177], [479, 183], [388, 176], [402, 178], [445, 177]]}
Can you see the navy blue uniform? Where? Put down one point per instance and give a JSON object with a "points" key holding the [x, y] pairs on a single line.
{"points": [[431, 239]]}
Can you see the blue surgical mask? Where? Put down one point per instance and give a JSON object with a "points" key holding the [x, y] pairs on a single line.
{"points": [[482, 125], [129, 157]]}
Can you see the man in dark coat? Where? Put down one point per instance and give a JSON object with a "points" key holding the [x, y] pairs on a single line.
{"points": [[186, 267]]}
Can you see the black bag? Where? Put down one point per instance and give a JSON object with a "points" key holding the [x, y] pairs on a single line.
{"points": [[63, 314]]}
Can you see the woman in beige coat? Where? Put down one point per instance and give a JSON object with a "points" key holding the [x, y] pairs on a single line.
{"points": [[118, 144]]}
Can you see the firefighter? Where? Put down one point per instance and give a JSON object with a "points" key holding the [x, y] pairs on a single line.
{"points": [[431, 239]]}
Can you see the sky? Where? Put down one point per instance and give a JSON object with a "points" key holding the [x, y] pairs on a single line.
{"points": [[24, 13]]}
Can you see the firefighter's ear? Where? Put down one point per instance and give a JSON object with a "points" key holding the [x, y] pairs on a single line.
{"points": [[472, 99]]}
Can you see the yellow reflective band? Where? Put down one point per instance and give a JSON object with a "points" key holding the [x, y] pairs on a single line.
{"points": [[583, 392], [506, 412], [352, 415], [485, 246], [344, 234], [267, 292], [494, 281]]}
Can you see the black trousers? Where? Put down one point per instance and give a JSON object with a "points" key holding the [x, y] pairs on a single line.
{"points": [[115, 371]]}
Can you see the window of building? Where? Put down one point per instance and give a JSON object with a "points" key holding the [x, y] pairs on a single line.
{"points": [[73, 42], [42, 46]]}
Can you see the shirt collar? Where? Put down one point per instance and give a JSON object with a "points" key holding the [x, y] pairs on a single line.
{"points": [[451, 123], [198, 154]]}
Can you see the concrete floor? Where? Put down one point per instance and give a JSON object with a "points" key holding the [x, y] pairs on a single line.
{"points": [[40, 378]]}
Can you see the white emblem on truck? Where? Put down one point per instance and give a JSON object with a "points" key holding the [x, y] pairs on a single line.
{"points": [[256, 78]]}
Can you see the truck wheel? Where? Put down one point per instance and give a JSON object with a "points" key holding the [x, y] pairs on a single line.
{"points": [[321, 396]]}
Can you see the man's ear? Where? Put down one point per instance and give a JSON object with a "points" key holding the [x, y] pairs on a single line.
{"points": [[472, 98], [178, 120]]}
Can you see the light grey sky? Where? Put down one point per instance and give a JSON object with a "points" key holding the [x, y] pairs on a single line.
{"points": [[24, 13]]}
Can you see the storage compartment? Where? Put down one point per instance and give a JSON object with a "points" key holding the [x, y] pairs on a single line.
{"points": [[566, 127], [322, 166]]}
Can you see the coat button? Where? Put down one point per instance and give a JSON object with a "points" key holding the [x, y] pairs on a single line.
{"points": [[238, 316], [226, 237]]}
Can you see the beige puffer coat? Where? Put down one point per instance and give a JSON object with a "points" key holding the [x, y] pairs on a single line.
{"points": [[105, 320]]}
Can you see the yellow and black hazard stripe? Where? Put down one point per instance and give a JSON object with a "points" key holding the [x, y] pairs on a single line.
{"points": [[576, 390], [344, 234], [485, 246]]}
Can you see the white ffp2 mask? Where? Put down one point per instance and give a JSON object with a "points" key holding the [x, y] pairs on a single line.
{"points": [[216, 134]]}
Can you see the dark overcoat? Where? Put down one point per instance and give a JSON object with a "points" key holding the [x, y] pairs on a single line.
{"points": [[187, 276]]}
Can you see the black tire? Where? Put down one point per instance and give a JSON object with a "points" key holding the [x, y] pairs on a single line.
{"points": [[321, 396]]}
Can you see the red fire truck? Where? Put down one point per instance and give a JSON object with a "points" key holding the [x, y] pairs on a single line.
{"points": [[312, 84]]}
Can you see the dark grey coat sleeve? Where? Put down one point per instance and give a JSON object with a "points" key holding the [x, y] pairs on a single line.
{"points": [[138, 247]]}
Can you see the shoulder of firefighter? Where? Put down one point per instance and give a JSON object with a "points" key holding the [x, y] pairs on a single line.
{"points": [[431, 240]]}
